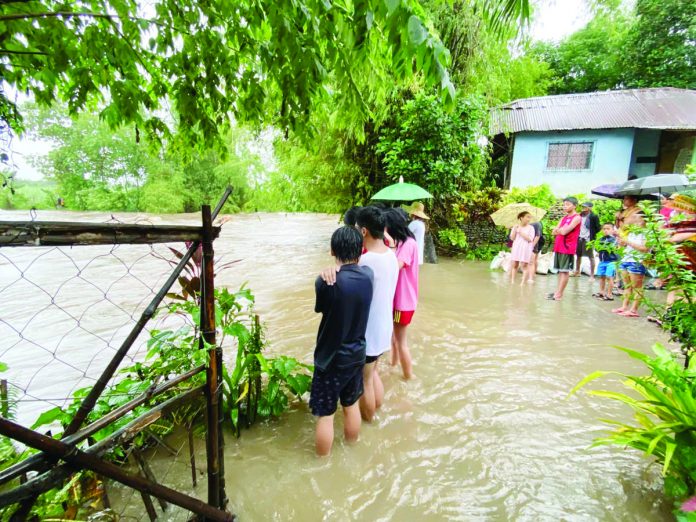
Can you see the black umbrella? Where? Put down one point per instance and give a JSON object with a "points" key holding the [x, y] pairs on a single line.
{"points": [[652, 185]]}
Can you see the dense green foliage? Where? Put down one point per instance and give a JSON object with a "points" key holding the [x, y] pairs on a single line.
{"points": [[436, 149], [654, 45], [342, 164], [29, 194], [660, 49], [665, 417], [259, 61], [588, 60], [93, 166], [664, 401], [483, 62], [323, 179]]}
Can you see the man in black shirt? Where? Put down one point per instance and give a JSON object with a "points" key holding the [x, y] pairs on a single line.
{"points": [[339, 356]]}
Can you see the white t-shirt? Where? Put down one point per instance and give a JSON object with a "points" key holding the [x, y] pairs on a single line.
{"points": [[630, 254], [380, 325], [418, 228]]}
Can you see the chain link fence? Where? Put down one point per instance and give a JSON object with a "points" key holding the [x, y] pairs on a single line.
{"points": [[79, 306]]}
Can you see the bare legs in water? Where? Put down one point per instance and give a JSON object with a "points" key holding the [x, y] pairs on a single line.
{"points": [[373, 394], [325, 429], [400, 354]]}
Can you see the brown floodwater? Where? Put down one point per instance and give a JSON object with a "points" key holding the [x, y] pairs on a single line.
{"points": [[485, 431]]}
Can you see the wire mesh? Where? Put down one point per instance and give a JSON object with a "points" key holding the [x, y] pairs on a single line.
{"points": [[64, 312]]}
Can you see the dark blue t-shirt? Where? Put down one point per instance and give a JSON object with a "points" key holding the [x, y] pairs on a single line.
{"points": [[607, 249], [344, 308]]}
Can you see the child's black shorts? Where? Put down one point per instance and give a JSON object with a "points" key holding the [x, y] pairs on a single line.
{"points": [[333, 384]]}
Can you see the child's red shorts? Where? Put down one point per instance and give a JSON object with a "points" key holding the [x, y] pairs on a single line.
{"points": [[403, 317]]}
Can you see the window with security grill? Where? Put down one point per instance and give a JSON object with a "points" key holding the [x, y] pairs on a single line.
{"points": [[569, 156]]}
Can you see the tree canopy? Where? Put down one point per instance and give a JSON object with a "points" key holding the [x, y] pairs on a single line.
{"points": [[654, 45], [660, 48], [198, 63]]}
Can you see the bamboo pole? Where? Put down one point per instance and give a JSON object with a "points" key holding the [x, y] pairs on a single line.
{"points": [[55, 476], [35, 461], [4, 399], [192, 454], [147, 473], [147, 500], [82, 460], [207, 340]]}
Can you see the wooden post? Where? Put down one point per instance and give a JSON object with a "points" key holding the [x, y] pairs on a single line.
{"points": [[146, 470], [147, 501], [192, 455], [213, 373], [4, 399]]}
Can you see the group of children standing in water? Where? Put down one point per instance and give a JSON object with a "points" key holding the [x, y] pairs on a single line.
{"points": [[367, 301]]}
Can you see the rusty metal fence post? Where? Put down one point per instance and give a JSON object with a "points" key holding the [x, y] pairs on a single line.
{"points": [[213, 388]]}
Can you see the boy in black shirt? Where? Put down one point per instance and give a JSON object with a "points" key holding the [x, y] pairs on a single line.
{"points": [[339, 356]]}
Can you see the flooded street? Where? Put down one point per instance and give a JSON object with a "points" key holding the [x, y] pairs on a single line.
{"points": [[483, 432]]}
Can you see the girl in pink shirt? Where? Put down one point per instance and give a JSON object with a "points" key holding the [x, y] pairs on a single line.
{"points": [[406, 294]]}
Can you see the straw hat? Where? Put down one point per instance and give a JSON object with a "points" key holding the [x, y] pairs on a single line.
{"points": [[416, 209]]}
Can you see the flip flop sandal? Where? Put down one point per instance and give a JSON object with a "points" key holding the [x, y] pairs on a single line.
{"points": [[551, 297], [617, 311], [607, 298], [597, 294], [629, 314]]}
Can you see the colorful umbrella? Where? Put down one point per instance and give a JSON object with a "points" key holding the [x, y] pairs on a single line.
{"points": [[402, 192], [507, 216]]}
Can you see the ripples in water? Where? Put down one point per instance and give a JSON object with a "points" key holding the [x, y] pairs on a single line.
{"points": [[484, 432]]}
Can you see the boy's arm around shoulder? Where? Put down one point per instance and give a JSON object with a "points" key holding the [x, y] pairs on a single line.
{"points": [[323, 293]]}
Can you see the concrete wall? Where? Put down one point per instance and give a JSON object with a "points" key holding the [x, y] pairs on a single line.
{"points": [[611, 160], [645, 145]]}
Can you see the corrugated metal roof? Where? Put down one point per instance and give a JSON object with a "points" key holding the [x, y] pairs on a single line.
{"points": [[660, 108]]}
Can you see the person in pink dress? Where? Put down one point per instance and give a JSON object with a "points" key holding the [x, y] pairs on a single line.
{"points": [[565, 246], [406, 293], [522, 236]]}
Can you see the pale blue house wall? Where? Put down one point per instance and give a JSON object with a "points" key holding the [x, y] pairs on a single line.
{"points": [[646, 144], [611, 160]]}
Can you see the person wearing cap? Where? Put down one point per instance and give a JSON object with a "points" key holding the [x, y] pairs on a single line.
{"points": [[417, 226], [589, 228], [565, 245]]}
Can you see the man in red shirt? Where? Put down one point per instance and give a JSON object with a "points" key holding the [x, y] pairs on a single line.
{"points": [[565, 245]]}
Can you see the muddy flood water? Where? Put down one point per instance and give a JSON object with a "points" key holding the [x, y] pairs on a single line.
{"points": [[485, 430]]}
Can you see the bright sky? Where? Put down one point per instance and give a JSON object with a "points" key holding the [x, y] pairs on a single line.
{"points": [[555, 19], [552, 20]]}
